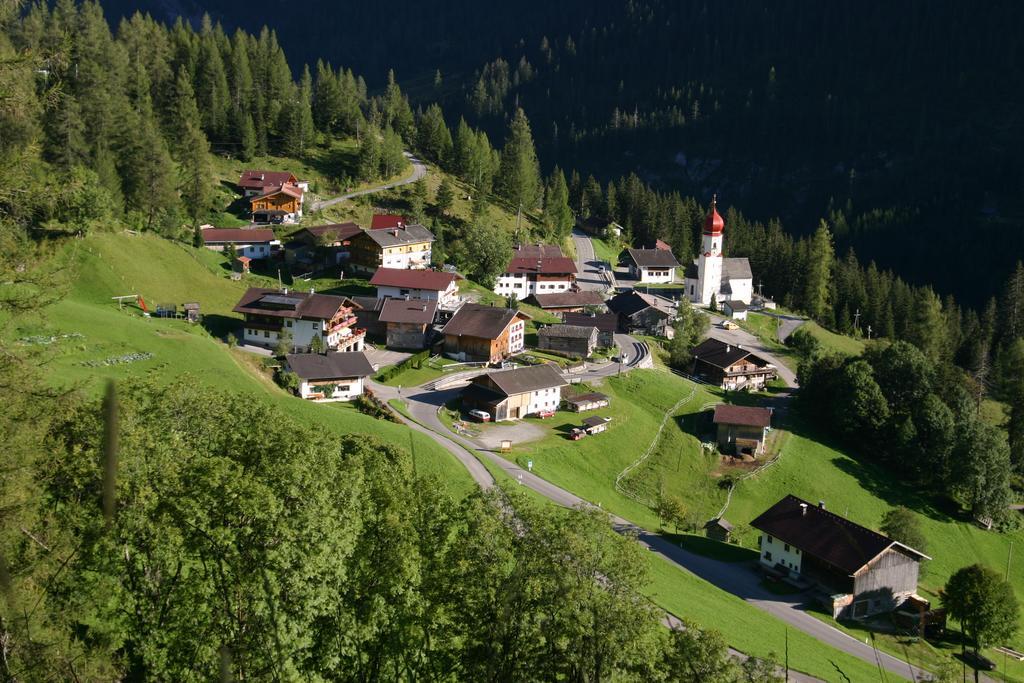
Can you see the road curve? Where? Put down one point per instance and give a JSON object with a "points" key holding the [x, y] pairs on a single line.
{"points": [[589, 277], [419, 170]]}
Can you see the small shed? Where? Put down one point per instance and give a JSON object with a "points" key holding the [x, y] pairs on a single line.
{"points": [[718, 529], [595, 425], [241, 264], [583, 402], [742, 429], [192, 313], [737, 310]]}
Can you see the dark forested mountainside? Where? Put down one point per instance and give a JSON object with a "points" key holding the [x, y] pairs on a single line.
{"points": [[907, 118]]}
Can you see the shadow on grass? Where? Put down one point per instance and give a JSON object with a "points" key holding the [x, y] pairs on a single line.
{"points": [[707, 547], [220, 325]]}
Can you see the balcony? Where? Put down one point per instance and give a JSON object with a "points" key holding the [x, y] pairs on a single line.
{"points": [[340, 324]]}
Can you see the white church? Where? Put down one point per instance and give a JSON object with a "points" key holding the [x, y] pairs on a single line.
{"points": [[728, 279]]}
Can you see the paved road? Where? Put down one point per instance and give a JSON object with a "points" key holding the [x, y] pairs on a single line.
{"points": [[743, 338], [736, 578], [590, 275], [788, 324], [419, 170]]}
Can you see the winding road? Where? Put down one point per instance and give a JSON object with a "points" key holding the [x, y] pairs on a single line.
{"points": [[590, 276], [419, 170]]}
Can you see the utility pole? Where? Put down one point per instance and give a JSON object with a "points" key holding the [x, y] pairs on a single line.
{"points": [[869, 332], [519, 217], [856, 320]]}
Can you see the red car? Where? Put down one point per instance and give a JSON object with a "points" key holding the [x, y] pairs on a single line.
{"points": [[545, 414]]}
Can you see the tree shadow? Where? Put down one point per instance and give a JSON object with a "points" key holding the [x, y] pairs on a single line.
{"points": [[221, 325]]}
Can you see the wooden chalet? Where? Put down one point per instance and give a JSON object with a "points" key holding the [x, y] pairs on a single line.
{"points": [[571, 340], [742, 429], [644, 313], [281, 204], [409, 322], [484, 333], [270, 313], [858, 572], [730, 366]]}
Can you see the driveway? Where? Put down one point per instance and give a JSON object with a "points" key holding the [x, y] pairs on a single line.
{"points": [[380, 357], [419, 170]]}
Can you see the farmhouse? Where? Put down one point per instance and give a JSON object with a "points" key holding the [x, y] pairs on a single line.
{"points": [[652, 265], [579, 403], [730, 366], [567, 302], [406, 247], [536, 269], [281, 204], [252, 243], [394, 283], [860, 572], [331, 376], [269, 313], [514, 394], [711, 274], [607, 325], [408, 322], [644, 313], [484, 333], [253, 183], [569, 339], [742, 429]]}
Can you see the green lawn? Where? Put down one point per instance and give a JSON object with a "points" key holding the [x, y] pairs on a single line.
{"points": [[607, 249], [830, 341], [414, 377], [764, 327]]}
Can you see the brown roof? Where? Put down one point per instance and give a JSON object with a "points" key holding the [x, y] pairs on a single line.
{"points": [[632, 302], [536, 251], [317, 366], [485, 322], [236, 235], [288, 189], [567, 299], [653, 258], [551, 266], [825, 535], [255, 180], [723, 355], [743, 415], [568, 331], [434, 280], [522, 380], [277, 304], [340, 231], [604, 322], [585, 398], [408, 311]]}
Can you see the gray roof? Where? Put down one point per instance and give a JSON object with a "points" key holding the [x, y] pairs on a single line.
{"points": [[735, 305], [477, 320], [409, 311], [568, 331], [596, 421], [591, 397], [653, 258], [604, 322], [736, 269], [568, 299], [317, 366], [523, 380], [391, 237]]}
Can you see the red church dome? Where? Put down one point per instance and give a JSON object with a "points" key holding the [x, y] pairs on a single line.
{"points": [[713, 224]]}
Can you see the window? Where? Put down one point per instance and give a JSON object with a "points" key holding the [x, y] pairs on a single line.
{"points": [[288, 323], [768, 556], [266, 334], [787, 547], [343, 388]]}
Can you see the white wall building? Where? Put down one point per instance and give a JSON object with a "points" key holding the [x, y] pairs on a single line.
{"points": [[713, 275], [432, 285], [254, 243], [536, 269], [331, 376], [653, 266], [270, 313]]}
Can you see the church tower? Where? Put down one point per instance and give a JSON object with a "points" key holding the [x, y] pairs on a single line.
{"points": [[709, 264]]}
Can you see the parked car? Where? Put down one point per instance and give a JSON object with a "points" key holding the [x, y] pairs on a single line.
{"points": [[729, 325], [544, 414], [480, 415]]}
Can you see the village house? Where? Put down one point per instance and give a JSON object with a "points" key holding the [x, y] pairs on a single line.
{"points": [[269, 313], [644, 313], [330, 376], [652, 266], [281, 204], [607, 325], [484, 333], [567, 302], [394, 283], [326, 244], [407, 247], [730, 366], [711, 275], [252, 243], [742, 429], [573, 340], [514, 394], [408, 322], [536, 269], [367, 311], [387, 221], [859, 572], [253, 183], [581, 403]]}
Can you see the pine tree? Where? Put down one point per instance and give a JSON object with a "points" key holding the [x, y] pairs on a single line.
{"points": [[819, 272], [392, 157], [369, 155], [211, 90], [444, 197], [297, 118], [193, 152], [433, 137], [328, 100], [1014, 373], [519, 171], [66, 146], [397, 112], [1011, 314], [558, 218]]}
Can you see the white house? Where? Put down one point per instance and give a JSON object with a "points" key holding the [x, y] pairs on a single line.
{"points": [[306, 315], [253, 243], [330, 376], [536, 269], [514, 394], [711, 274], [432, 285], [653, 266]]}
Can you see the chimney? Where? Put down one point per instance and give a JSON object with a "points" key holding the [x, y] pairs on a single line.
{"points": [[821, 504], [803, 509], [728, 348], [312, 290], [394, 232]]}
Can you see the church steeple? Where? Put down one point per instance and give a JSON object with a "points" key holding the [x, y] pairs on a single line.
{"points": [[713, 224]]}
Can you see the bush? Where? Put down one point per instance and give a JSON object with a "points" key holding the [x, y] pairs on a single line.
{"points": [[369, 404], [231, 340]]}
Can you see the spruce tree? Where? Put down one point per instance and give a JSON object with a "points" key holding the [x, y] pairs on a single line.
{"points": [[193, 152], [433, 138], [392, 157], [519, 172], [818, 273], [211, 90], [368, 163], [558, 218], [444, 197]]}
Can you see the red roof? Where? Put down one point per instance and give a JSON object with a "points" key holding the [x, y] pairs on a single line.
{"points": [[258, 180], [713, 224], [558, 265], [238, 235], [433, 280], [659, 244], [383, 221]]}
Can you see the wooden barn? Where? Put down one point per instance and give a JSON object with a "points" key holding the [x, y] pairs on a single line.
{"points": [[858, 572], [742, 429], [572, 340]]}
